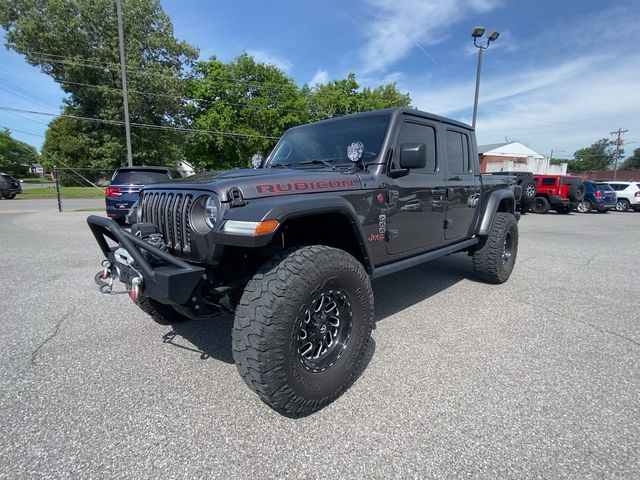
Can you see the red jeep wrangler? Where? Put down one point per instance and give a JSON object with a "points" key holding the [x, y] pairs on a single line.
{"points": [[561, 193]]}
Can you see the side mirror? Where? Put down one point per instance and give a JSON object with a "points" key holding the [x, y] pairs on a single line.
{"points": [[413, 155]]}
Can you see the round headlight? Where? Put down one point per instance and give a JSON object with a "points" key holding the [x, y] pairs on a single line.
{"points": [[211, 211]]}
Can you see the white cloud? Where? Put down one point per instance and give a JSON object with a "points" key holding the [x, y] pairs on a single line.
{"points": [[565, 106], [402, 25], [271, 59], [321, 76]]}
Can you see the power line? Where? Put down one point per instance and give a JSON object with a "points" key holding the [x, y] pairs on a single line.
{"points": [[140, 125], [230, 81], [23, 131], [179, 97]]}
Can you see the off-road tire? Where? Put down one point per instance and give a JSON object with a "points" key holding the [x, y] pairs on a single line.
{"points": [[265, 334], [489, 260], [576, 192], [161, 313], [9, 196], [540, 205], [622, 205], [563, 210]]}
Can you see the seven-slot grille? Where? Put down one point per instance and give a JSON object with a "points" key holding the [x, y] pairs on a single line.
{"points": [[169, 212]]}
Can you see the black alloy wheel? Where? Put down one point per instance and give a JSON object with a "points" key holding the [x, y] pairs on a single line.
{"points": [[324, 329]]}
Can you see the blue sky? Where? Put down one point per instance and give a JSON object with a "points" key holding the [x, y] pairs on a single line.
{"points": [[562, 74]]}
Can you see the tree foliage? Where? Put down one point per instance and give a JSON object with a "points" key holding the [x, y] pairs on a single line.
{"points": [[343, 97], [252, 99], [599, 156], [76, 43], [15, 156], [633, 162], [257, 99], [252, 103]]}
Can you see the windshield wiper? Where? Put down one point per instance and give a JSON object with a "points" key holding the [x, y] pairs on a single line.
{"points": [[328, 162], [282, 165]]}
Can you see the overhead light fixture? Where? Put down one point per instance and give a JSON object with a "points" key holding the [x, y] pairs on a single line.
{"points": [[493, 36], [477, 32]]}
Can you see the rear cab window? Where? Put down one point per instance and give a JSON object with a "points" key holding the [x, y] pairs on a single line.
{"points": [[140, 177]]}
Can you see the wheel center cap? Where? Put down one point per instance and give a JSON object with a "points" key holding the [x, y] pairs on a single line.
{"points": [[323, 328]]}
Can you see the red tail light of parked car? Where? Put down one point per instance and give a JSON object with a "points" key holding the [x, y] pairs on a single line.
{"points": [[112, 192]]}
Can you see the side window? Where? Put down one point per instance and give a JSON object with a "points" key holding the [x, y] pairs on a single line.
{"points": [[549, 181], [457, 152], [411, 132]]}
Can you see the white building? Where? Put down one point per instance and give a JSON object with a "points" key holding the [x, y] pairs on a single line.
{"points": [[516, 157]]}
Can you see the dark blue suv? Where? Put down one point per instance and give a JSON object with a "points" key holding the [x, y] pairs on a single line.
{"points": [[125, 185], [597, 196]]}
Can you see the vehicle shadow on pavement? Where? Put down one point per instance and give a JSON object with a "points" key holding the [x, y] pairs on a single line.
{"points": [[211, 338], [402, 290]]}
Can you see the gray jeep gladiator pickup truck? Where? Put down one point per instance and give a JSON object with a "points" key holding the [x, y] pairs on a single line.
{"points": [[295, 243]]}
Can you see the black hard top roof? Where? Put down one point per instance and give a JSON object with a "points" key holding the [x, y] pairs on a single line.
{"points": [[399, 111]]}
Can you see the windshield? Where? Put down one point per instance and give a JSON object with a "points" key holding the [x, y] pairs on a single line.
{"points": [[328, 141], [140, 177]]}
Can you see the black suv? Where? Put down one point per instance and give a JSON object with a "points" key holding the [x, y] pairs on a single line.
{"points": [[9, 186], [294, 245], [528, 185]]}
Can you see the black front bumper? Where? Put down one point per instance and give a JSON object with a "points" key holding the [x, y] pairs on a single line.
{"points": [[169, 280]]}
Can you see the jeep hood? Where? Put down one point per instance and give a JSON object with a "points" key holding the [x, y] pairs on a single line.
{"points": [[267, 182]]}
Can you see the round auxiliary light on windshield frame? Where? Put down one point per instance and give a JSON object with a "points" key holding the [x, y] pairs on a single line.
{"points": [[355, 151]]}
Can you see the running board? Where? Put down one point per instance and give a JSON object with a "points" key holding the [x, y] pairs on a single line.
{"points": [[422, 258]]}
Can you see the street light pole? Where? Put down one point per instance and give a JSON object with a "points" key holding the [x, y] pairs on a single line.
{"points": [[475, 100], [123, 73], [477, 34]]}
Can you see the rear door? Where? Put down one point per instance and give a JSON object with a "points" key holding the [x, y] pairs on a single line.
{"points": [[462, 185]]}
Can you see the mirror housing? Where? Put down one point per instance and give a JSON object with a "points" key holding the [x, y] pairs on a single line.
{"points": [[413, 155]]}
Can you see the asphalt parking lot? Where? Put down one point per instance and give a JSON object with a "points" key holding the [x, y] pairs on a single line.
{"points": [[536, 378]]}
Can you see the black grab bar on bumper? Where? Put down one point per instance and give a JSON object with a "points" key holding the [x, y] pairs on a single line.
{"points": [[173, 283]]}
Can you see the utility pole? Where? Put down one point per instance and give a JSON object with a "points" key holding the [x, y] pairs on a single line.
{"points": [[618, 141], [123, 73]]}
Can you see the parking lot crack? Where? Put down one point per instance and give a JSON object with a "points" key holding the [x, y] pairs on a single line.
{"points": [[576, 320], [53, 335]]}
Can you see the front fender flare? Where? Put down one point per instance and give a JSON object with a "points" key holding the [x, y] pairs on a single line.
{"points": [[289, 208]]}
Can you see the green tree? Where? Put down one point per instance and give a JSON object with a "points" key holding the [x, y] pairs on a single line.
{"points": [[252, 99], [343, 97], [15, 156], [599, 156], [76, 43], [633, 162]]}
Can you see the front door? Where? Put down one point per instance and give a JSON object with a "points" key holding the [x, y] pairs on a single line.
{"points": [[463, 187], [416, 201]]}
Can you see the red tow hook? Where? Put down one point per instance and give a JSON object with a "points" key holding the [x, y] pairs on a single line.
{"points": [[134, 293]]}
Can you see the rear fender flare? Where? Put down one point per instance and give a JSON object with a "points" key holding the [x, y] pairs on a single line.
{"points": [[491, 207]]}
